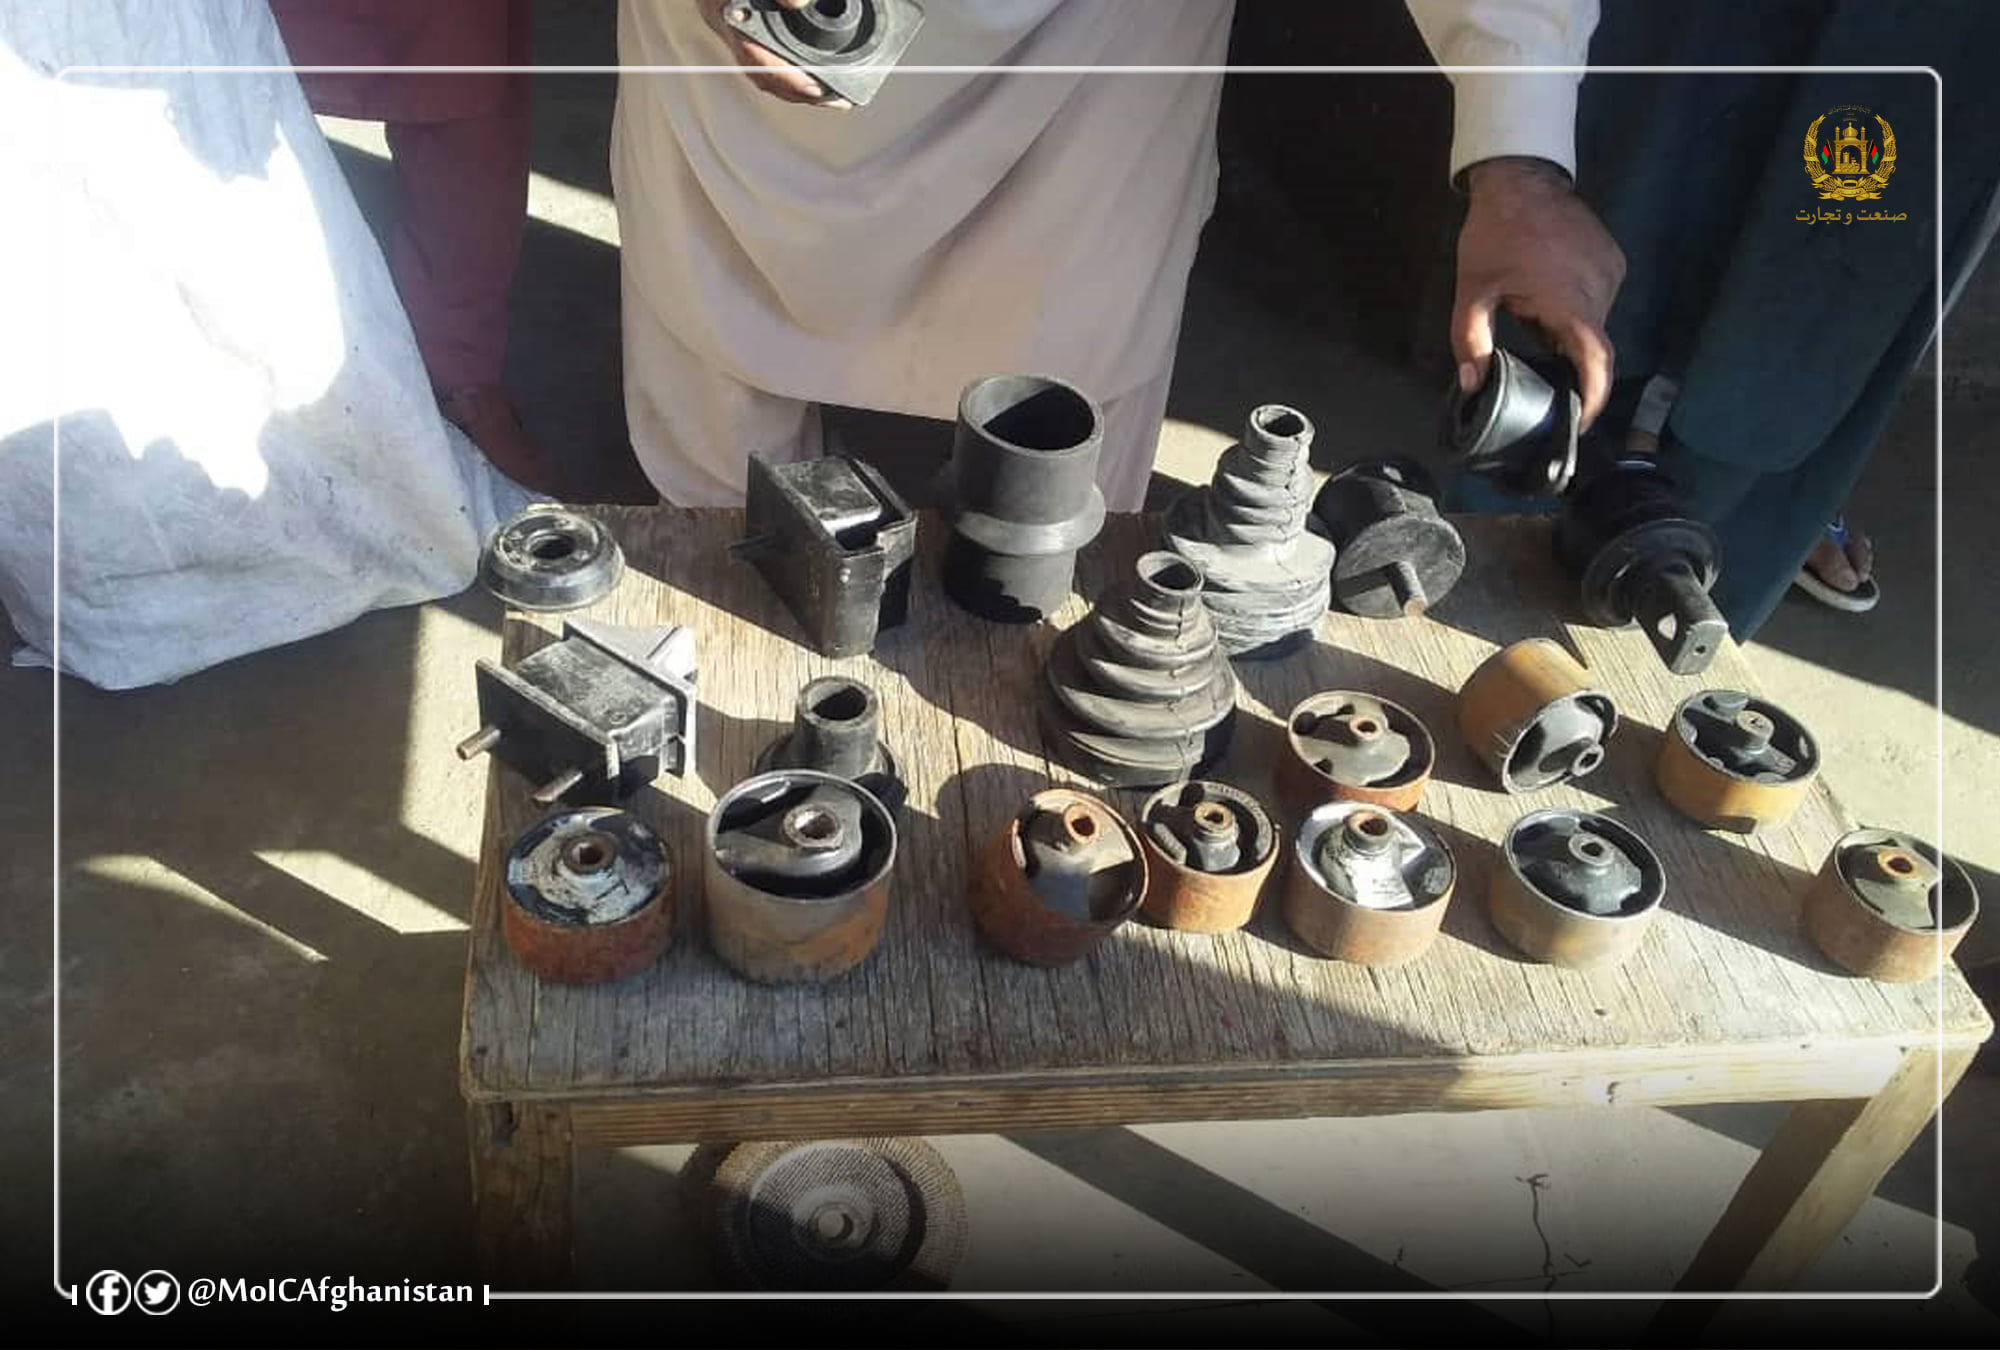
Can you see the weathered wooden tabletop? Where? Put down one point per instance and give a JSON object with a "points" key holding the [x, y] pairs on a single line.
{"points": [[938, 1032]]}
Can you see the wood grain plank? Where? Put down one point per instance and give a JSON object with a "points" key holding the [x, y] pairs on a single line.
{"points": [[990, 1102]]}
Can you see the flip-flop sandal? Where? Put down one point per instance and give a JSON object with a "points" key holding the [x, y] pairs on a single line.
{"points": [[1857, 601]]}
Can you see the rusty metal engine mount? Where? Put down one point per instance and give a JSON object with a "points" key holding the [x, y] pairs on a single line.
{"points": [[1059, 877], [1575, 888], [797, 875], [1532, 716], [1347, 746], [1733, 762], [589, 897], [1889, 906], [1209, 850], [1368, 885]]}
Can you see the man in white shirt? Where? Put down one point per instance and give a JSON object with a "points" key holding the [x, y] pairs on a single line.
{"points": [[780, 252]]}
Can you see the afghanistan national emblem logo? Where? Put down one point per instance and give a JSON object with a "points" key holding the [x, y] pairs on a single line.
{"points": [[1849, 160]]}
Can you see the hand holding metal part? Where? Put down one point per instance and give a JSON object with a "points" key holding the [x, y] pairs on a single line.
{"points": [[831, 53]]}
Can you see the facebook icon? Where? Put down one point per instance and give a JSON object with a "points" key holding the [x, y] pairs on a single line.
{"points": [[108, 1292]]}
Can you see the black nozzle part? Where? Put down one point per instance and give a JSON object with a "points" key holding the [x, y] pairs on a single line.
{"points": [[1021, 492], [1520, 427]]}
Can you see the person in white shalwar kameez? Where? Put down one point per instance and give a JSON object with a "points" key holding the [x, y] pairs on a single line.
{"points": [[779, 255]]}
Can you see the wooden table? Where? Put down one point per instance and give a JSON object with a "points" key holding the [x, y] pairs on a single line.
{"points": [[939, 1034]]}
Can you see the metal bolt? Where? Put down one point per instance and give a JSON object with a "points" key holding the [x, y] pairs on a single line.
{"points": [[814, 828]]}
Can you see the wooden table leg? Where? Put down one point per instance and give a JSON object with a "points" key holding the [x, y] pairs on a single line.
{"points": [[521, 1193], [1807, 1185]]}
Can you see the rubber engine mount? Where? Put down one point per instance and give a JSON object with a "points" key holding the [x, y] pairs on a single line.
{"points": [[599, 714], [836, 543], [1209, 850], [1519, 428], [1265, 564], [1139, 693], [837, 729], [1532, 716], [1394, 555], [589, 897], [1889, 906], [549, 558], [1575, 888], [1639, 558], [797, 875], [1733, 762], [1347, 746], [1368, 885], [1062, 875]]}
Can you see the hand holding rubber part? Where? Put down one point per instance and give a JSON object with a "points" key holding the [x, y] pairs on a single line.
{"points": [[849, 46], [1519, 428]]}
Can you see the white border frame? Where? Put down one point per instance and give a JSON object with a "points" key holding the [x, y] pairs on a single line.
{"points": [[71, 1293]]}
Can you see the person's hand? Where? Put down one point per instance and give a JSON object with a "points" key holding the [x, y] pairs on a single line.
{"points": [[769, 71], [1531, 247]]}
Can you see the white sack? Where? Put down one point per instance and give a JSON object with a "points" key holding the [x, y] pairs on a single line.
{"points": [[250, 450]]}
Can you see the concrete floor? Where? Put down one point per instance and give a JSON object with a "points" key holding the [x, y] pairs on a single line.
{"points": [[266, 872]]}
